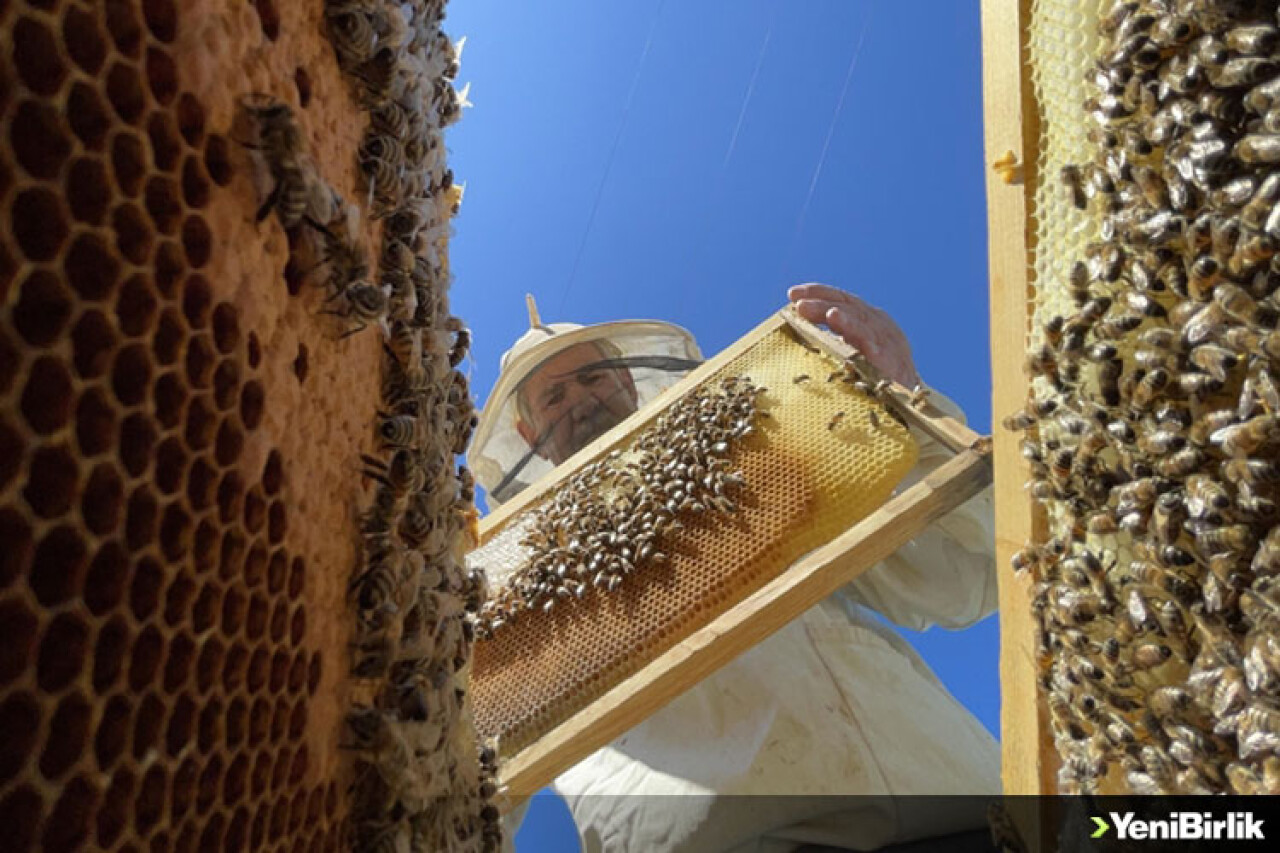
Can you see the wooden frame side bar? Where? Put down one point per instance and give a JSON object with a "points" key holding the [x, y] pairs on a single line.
{"points": [[1012, 127], [801, 586]]}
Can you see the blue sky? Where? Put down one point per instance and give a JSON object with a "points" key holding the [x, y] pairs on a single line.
{"points": [[688, 161]]}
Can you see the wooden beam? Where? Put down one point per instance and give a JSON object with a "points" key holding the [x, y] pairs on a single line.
{"points": [[1012, 127], [928, 419], [801, 586]]}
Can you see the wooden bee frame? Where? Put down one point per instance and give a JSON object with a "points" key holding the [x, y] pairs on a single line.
{"points": [[798, 588]]}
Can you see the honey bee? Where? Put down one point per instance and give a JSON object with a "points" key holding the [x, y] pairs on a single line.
{"points": [[1258, 731], [1205, 497], [1158, 229], [800, 379], [1117, 325], [1073, 180], [1034, 557], [1148, 389], [462, 340], [375, 77], [352, 29], [1214, 360], [379, 584], [1253, 215], [404, 474], [1162, 441], [1234, 193], [1263, 97], [1258, 148], [282, 147], [343, 254], [381, 163], [1242, 71], [397, 430], [1236, 302], [1151, 185], [1247, 779], [364, 303], [1167, 517], [1246, 438], [1233, 539], [1108, 381]]}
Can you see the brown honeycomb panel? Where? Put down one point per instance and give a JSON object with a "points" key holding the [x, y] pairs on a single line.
{"points": [[189, 114], [124, 90], [10, 357], [178, 506]]}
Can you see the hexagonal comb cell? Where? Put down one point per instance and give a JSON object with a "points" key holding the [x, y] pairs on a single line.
{"points": [[40, 141]]}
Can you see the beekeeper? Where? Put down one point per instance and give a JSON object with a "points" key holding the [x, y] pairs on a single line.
{"points": [[835, 703]]}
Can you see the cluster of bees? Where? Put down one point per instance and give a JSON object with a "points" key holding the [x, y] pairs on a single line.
{"points": [[1154, 432], [419, 783], [303, 200], [614, 516]]}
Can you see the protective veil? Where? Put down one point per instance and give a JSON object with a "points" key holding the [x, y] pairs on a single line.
{"points": [[655, 354]]}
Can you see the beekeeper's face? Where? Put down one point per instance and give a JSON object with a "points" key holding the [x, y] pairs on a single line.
{"points": [[565, 404]]}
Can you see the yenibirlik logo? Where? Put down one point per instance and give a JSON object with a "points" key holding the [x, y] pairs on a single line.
{"points": [[1183, 826]]}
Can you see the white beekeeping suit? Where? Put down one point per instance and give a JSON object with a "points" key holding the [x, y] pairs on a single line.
{"points": [[835, 703]]}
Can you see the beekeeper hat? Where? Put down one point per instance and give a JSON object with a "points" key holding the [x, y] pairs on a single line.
{"points": [[656, 353]]}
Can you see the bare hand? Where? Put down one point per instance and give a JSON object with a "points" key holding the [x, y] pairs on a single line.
{"points": [[869, 329]]}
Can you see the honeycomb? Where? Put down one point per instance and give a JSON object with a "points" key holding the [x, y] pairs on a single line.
{"points": [[1153, 365], [179, 435], [823, 456]]}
